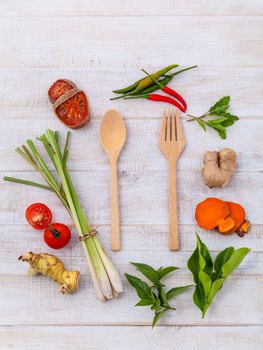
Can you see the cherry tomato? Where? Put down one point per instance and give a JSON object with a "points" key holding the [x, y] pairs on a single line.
{"points": [[38, 216], [57, 235]]}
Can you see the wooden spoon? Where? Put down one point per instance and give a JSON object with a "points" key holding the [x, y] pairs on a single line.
{"points": [[112, 138]]}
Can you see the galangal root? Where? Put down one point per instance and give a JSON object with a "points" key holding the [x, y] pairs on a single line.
{"points": [[50, 266], [227, 217], [219, 167]]}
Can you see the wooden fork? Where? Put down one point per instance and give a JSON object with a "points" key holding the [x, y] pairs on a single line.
{"points": [[172, 143]]}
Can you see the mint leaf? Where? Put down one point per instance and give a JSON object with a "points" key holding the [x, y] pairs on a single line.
{"points": [[147, 271], [200, 122], [220, 106]]}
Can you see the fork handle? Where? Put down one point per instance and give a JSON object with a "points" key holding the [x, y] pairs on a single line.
{"points": [[173, 238]]}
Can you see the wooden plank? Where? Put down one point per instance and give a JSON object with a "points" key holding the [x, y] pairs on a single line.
{"points": [[124, 41], [124, 338], [238, 303], [81, 8], [146, 244], [25, 93], [143, 196], [86, 153]]}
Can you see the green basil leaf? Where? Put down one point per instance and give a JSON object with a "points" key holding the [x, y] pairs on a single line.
{"points": [[144, 302], [157, 305], [163, 271], [216, 285], [228, 122], [234, 261], [143, 290], [220, 106], [222, 258], [177, 290], [147, 271], [206, 282], [157, 316]]}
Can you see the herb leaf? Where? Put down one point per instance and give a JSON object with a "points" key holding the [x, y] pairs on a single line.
{"points": [[163, 271], [177, 290], [219, 109], [234, 261], [143, 290], [147, 271], [157, 316], [209, 277], [220, 106], [154, 296]]}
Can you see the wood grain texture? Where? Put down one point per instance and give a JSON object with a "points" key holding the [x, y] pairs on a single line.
{"points": [[172, 337], [101, 45]]}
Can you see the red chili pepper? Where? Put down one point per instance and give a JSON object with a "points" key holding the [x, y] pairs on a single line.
{"points": [[168, 91], [159, 98]]}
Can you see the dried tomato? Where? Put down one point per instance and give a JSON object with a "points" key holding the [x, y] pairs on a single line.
{"points": [[70, 104]]}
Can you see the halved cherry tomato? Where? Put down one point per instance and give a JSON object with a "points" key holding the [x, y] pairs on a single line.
{"points": [[57, 235], [74, 112], [38, 216], [59, 88]]}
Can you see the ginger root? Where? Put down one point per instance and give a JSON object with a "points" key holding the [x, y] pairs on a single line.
{"points": [[50, 266], [218, 167]]}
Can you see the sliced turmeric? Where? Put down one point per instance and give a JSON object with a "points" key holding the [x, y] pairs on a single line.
{"points": [[226, 225], [50, 266], [227, 217], [237, 212], [209, 212]]}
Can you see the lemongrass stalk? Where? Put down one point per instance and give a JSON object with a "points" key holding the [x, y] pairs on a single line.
{"points": [[112, 272], [76, 214], [26, 182]]}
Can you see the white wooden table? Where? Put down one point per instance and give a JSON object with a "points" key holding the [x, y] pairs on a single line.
{"points": [[101, 45]]}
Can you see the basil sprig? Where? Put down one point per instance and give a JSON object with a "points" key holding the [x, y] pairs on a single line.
{"points": [[210, 277], [154, 295], [220, 124]]}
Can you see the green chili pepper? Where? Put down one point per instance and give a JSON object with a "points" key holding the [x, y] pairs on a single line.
{"points": [[128, 88], [143, 83], [163, 81]]}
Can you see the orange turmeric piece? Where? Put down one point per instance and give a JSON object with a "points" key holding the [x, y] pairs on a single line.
{"points": [[237, 212], [243, 229], [211, 212], [225, 226]]}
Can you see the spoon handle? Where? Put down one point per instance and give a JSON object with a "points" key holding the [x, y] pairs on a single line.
{"points": [[115, 218]]}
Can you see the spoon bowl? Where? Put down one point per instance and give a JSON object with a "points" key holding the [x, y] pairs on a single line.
{"points": [[112, 132]]}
